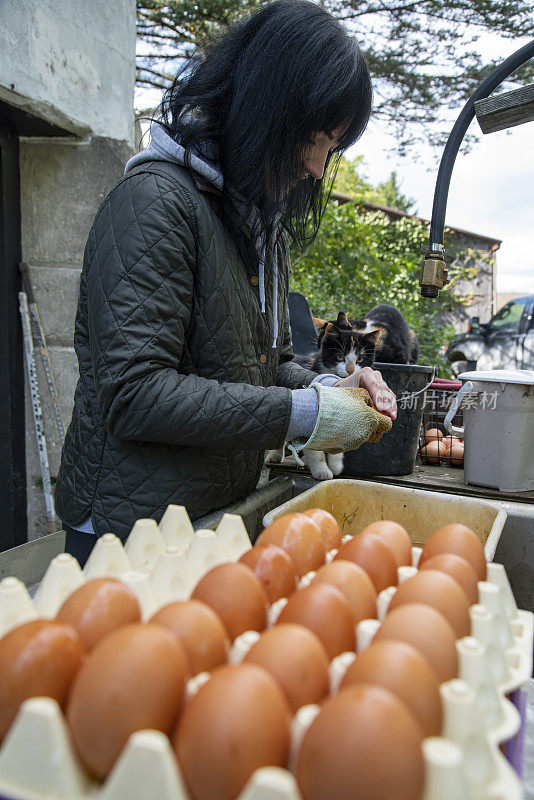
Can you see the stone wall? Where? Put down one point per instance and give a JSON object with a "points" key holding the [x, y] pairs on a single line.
{"points": [[481, 256], [62, 186]]}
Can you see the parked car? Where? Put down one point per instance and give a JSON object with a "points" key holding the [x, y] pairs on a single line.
{"points": [[505, 342]]}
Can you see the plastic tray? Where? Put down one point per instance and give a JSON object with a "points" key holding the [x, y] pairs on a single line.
{"points": [[356, 504]]}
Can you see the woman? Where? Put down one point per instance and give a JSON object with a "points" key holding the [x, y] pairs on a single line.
{"points": [[182, 330]]}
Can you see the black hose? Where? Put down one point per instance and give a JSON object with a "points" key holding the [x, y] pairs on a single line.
{"points": [[456, 136]]}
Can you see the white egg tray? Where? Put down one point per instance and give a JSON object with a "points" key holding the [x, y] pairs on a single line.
{"points": [[162, 564]]}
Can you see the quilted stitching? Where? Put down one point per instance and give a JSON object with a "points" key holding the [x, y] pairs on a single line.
{"points": [[172, 404]]}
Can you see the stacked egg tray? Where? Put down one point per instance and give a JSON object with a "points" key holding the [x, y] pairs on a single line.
{"points": [[162, 564]]}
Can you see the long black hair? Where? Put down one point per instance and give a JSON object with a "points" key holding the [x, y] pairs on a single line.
{"points": [[273, 81]]}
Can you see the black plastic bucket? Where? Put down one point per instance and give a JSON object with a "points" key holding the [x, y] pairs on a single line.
{"points": [[396, 452]]}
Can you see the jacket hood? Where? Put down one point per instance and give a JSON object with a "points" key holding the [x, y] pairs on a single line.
{"points": [[163, 147]]}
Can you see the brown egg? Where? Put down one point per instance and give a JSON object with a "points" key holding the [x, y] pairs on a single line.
{"points": [[396, 537], [401, 669], [374, 556], [364, 744], [199, 630], [324, 610], [354, 583], [447, 441], [99, 606], [459, 569], [236, 723], [459, 540], [38, 658], [439, 590], [296, 659], [133, 679], [273, 568], [300, 537], [433, 435], [457, 454], [434, 452], [428, 631], [236, 595], [330, 530]]}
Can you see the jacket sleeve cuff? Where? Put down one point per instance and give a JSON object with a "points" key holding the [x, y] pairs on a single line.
{"points": [[304, 411], [328, 379]]}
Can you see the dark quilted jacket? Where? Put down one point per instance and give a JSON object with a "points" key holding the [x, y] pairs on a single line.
{"points": [[180, 391]]}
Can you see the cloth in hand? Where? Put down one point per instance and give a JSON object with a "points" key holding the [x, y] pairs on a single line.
{"points": [[345, 421]]}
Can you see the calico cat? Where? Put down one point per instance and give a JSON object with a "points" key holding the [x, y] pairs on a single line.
{"points": [[342, 351], [397, 342], [346, 346], [383, 335]]}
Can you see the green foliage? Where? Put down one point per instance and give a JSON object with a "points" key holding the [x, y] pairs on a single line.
{"points": [[422, 56], [350, 181], [389, 194], [362, 258]]}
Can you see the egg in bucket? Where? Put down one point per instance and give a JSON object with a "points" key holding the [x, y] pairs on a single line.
{"points": [[498, 407]]}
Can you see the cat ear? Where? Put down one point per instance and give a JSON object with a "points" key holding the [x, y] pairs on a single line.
{"points": [[329, 327], [374, 335], [342, 318], [319, 323]]}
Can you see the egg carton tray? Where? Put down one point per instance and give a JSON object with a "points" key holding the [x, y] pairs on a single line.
{"points": [[162, 564]]}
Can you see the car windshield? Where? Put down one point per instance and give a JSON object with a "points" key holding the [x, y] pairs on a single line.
{"points": [[509, 316]]}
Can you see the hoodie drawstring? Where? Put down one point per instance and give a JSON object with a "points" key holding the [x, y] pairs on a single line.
{"points": [[261, 281], [261, 273], [275, 298]]}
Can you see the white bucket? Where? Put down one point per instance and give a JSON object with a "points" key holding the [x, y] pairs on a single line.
{"points": [[498, 411]]}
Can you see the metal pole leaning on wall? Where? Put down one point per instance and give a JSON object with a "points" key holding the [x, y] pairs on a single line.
{"points": [[37, 411], [41, 342]]}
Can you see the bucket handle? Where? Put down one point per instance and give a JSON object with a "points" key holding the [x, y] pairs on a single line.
{"points": [[467, 387], [430, 382]]}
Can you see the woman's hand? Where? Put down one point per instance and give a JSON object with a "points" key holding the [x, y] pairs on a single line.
{"points": [[382, 397]]}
